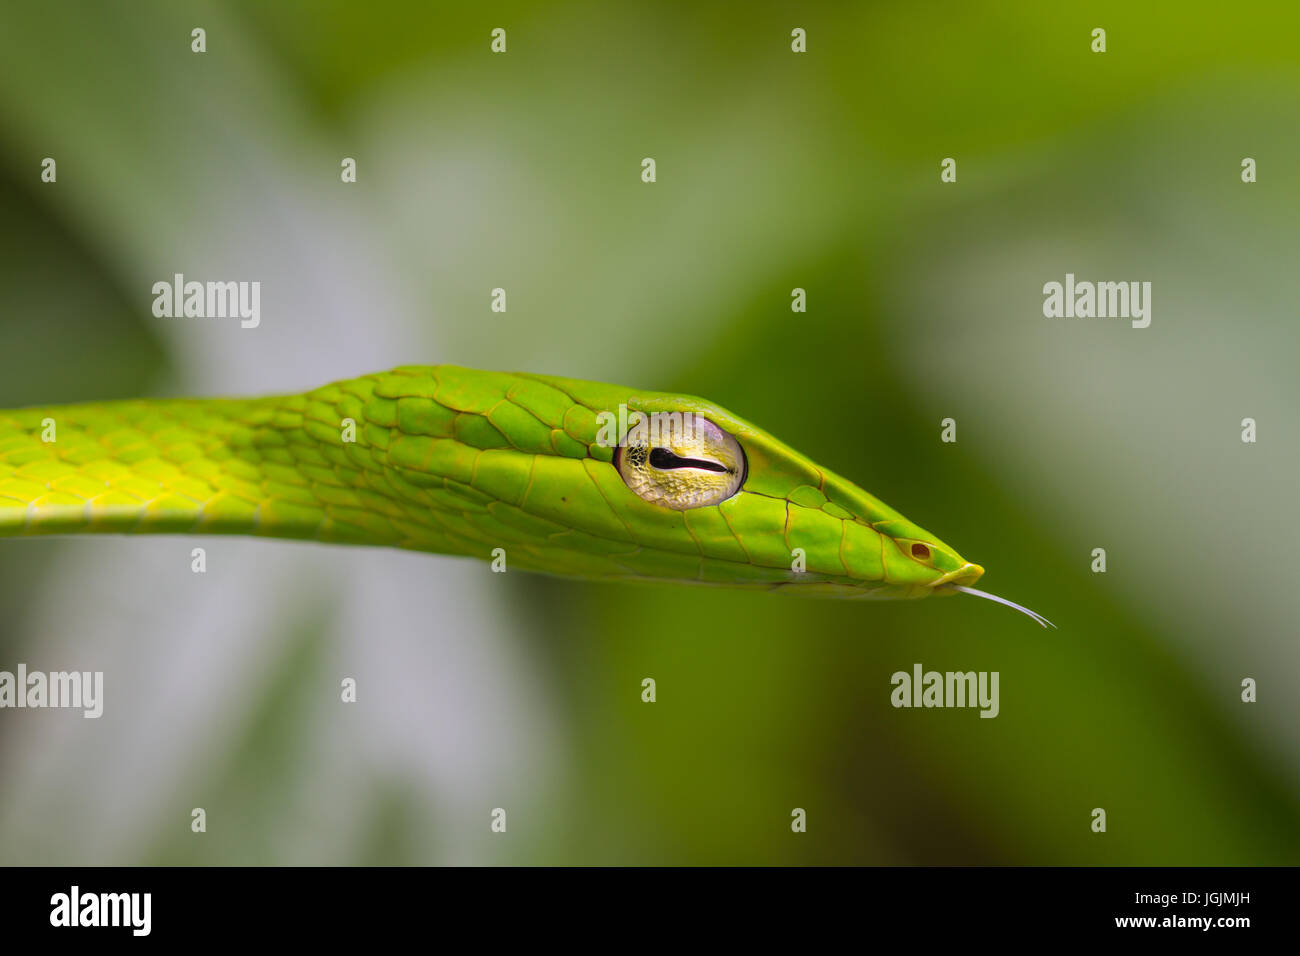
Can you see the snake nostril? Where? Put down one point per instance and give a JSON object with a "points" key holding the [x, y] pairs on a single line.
{"points": [[920, 551]]}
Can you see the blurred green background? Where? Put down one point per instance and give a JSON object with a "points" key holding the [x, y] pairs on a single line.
{"points": [[775, 170]]}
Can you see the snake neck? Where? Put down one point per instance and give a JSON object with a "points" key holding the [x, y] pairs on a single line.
{"points": [[296, 466]]}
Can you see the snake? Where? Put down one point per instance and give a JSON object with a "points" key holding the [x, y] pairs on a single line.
{"points": [[537, 472]]}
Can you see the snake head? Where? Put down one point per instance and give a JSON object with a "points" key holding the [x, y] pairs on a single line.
{"points": [[592, 480], [817, 532]]}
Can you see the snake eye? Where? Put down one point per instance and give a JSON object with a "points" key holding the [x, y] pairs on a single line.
{"points": [[680, 460]]}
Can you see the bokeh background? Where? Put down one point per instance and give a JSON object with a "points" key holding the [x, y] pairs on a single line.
{"points": [[775, 170]]}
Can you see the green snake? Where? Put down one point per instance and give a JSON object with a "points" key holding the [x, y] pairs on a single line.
{"points": [[536, 472]]}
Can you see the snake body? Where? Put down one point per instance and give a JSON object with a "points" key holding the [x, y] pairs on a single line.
{"points": [[459, 461]]}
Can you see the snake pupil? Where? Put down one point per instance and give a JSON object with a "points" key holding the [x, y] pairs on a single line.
{"points": [[664, 460]]}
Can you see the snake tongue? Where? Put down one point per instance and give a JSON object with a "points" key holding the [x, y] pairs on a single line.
{"points": [[1042, 621]]}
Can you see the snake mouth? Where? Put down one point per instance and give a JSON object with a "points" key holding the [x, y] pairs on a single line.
{"points": [[967, 574]]}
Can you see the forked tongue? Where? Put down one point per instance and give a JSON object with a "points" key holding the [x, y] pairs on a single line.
{"points": [[1042, 621]]}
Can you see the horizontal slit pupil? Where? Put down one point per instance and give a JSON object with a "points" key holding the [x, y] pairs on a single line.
{"points": [[664, 460]]}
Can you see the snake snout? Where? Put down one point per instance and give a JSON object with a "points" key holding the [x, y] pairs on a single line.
{"points": [[968, 574]]}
